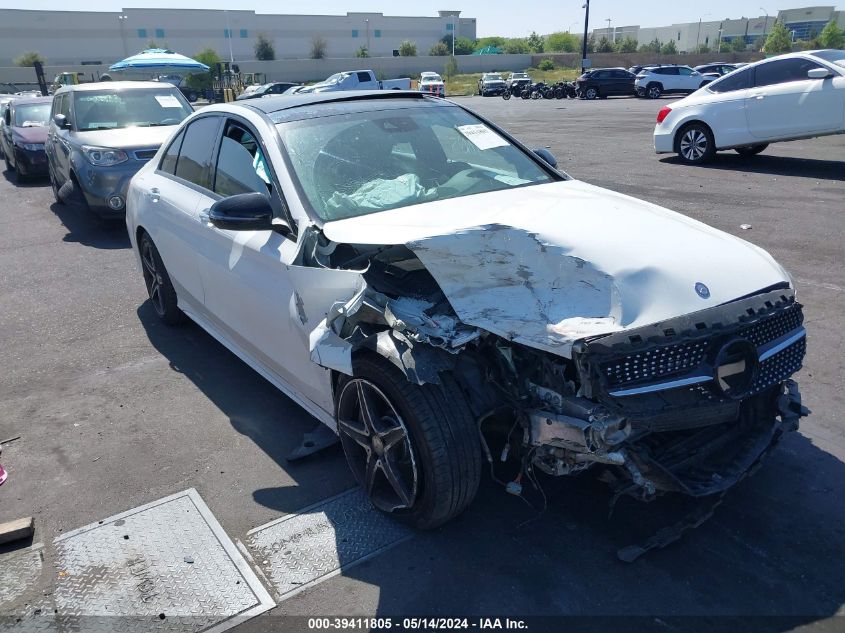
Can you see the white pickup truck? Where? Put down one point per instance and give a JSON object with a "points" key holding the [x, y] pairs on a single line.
{"points": [[357, 80]]}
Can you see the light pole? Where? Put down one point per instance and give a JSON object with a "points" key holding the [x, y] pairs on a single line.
{"points": [[569, 28], [121, 19], [720, 40], [453, 35], [229, 37], [612, 33], [585, 6], [367, 23], [698, 35], [766, 26]]}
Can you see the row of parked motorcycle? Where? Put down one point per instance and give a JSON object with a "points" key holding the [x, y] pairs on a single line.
{"points": [[541, 90]]}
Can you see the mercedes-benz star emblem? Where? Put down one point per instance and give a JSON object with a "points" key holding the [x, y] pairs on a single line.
{"points": [[702, 290], [735, 368]]}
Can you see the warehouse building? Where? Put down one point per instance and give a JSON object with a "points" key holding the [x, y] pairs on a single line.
{"points": [[75, 37], [804, 23]]}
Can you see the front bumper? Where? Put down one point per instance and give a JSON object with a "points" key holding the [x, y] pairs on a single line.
{"points": [[493, 90], [99, 184], [31, 163]]}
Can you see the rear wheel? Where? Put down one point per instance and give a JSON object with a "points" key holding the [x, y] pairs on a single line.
{"points": [[751, 150], [695, 144], [414, 449], [159, 287], [654, 91]]}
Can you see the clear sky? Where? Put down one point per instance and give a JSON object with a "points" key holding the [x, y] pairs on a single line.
{"points": [[495, 17]]}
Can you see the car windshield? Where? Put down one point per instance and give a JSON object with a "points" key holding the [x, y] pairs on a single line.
{"points": [[834, 57], [493, 77], [32, 115], [350, 165], [431, 78], [110, 109]]}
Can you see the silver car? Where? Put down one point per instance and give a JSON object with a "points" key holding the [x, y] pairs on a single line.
{"points": [[101, 134]]}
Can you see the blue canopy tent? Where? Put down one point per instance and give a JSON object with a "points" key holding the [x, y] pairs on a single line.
{"points": [[154, 59]]}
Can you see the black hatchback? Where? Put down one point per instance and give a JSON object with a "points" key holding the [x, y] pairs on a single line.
{"points": [[606, 82]]}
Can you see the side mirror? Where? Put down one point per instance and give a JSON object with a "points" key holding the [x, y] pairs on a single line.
{"points": [[547, 156], [818, 73], [61, 121], [244, 212]]}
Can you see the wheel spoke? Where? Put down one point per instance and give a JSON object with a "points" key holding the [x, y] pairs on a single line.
{"points": [[366, 407], [370, 474], [356, 434], [392, 437], [395, 481]]}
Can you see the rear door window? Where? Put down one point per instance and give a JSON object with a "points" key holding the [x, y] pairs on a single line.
{"points": [[195, 155]]}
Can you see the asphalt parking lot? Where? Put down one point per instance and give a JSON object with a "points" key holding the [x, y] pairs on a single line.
{"points": [[115, 410]]}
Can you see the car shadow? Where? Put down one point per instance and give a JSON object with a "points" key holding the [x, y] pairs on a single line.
{"points": [[85, 228], [29, 182], [775, 165], [769, 560]]}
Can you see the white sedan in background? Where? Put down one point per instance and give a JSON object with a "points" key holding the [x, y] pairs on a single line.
{"points": [[794, 96], [432, 83]]}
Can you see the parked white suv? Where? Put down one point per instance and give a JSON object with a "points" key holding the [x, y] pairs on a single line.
{"points": [[654, 82], [799, 95]]}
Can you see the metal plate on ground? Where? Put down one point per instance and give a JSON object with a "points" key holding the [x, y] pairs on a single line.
{"points": [[166, 566], [19, 572], [303, 549]]}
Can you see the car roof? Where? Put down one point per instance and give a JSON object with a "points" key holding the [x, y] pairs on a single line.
{"points": [[288, 102], [30, 100], [116, 85]]}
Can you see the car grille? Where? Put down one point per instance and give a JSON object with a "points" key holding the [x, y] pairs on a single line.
{"points": [[145, 154], [689, 358]]}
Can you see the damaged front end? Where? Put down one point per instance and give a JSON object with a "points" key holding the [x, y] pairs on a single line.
{"points": [[689, 405]]}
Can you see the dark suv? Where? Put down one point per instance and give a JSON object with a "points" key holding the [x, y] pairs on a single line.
{"points": [[101, 134], [606, 82]]}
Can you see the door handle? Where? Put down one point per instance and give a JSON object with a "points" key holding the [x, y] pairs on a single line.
{"points": [[154, 194]]}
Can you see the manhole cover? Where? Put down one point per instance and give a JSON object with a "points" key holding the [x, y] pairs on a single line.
{"points": [[166, 566], [300, 550]]}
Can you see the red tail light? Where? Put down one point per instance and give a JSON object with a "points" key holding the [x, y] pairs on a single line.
{"points": [[664, 112]]}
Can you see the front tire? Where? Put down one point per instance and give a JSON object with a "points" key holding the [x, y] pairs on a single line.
{"points": [[751, 150], [590, 94], [654, 91], [159, 287], [414, 449], [695, 144]]}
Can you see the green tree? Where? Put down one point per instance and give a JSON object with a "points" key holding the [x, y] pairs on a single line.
{"points": [[535, 42], [779, 40], [439, 50], [494, 40], [363, 51], [515, 46], [832, 36], [604, 45], [319, 47], [408, 49], [653, 46], [463, 45], [29, 58], [626, 45], [669, 48], [738, 45], [701, 49], [546, 64], [264, 51], [451, 67], [563, 43], [201, 81]]}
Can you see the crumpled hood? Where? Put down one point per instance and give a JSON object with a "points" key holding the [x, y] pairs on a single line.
{"points": [[547, 265], [127, 137], [32, 134]]}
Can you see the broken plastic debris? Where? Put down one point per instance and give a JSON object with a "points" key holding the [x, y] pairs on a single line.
{"points": [[3, 475], [745, 227]]}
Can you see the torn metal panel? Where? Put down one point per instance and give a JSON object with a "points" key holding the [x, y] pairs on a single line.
{"points": [[420, 364], [567, 261]]}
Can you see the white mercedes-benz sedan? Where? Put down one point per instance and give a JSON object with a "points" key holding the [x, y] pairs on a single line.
{"points": [[785, 98], [442, 297]]}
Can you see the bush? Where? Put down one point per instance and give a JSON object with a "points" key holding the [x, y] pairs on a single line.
{"points": [[604, 45], [516, 46], [319, 47], [701, 49], [497, 41], [653, 46], [201, 81], [779, 40], [29, 58], [738, 45], [535, 42], [439, 50], [463, 45], [669, 48], [563, 43], [362, 52], [408, 49], [626, 45], [546, 64], [264, 51]]}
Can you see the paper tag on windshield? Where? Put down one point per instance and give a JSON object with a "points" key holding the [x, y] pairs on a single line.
{"points": [[168, 101], [482, 136]]}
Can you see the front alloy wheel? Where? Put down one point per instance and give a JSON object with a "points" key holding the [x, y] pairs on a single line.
{"points": [[654, 92], [377, 446], [695, 145], [159, 287]]}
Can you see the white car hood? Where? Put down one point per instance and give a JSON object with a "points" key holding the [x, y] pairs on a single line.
{"points": [[547, 265]]}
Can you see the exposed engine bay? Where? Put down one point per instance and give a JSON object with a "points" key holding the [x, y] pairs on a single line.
{"points": [[690, 404]]}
